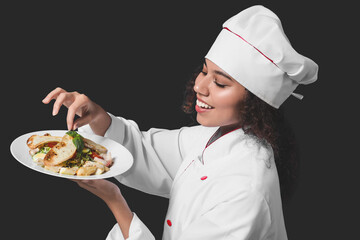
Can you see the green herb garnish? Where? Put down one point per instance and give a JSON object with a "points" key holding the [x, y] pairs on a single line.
{"points": [[73, 134], [77, 140]]}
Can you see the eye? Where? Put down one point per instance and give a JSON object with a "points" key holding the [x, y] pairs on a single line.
{"points": [[203, 72], [219, 85]]}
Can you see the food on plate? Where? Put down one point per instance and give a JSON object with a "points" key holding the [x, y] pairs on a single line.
{"points": [[90, 144], [61, 152], [35, 141], [71, 154]]}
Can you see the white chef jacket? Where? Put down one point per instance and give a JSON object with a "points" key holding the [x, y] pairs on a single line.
{"points": [[225, 190]]}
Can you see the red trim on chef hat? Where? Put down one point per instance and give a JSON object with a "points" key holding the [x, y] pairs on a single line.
{"points": [[254, 50]]}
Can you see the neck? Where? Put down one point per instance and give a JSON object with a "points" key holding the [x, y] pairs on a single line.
{"points": [[221, 132], [226, 129]]}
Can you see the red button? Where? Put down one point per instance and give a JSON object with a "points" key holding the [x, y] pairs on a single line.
{"points": [[169, 223], [203, 178]]}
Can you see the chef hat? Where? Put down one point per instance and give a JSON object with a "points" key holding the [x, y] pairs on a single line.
{"points": [[254, 50]]}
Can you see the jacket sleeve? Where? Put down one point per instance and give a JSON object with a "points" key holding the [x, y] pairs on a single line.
{"points": [[239, 217], [137, 231], [156, 153]]}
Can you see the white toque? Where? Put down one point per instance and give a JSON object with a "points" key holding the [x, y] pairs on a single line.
{"points": [[254, 50]]}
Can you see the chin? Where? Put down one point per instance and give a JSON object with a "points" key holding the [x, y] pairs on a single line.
{"points": [[215, 122], [205, 123]]}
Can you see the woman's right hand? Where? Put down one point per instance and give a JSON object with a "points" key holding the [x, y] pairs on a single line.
{"points": [[81, 105]]}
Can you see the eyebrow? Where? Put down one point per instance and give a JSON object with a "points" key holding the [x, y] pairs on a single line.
{"points": [[223, 74], [220, 73]]}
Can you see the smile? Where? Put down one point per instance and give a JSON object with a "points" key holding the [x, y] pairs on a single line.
{"points": [[203, 105]]}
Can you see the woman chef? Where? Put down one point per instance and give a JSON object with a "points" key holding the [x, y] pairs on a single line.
{"points": [[220, 176]]}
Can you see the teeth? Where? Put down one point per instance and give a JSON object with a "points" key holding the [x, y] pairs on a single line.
{"points": [[203, 105]]}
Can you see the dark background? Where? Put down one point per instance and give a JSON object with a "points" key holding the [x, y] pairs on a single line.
{"points": [[133, 58]]}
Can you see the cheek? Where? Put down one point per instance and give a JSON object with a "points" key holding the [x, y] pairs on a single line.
{"points": [[229, 105], [229, 113], [229, 100]]}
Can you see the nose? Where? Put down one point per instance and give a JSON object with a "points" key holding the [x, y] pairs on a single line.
{"points": [[201, 86]]}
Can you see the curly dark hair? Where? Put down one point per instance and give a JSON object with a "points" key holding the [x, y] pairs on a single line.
{"points": [[268, 125]]}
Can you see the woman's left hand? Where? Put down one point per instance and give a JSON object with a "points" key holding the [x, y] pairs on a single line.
{"points": [[110, 193], [104, 189]]}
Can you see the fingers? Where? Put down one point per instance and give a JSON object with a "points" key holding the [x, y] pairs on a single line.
{"points": [[79, 102], [86, 184], [53, 95], [75, 102], [102, 188], [60, 100], [93, 186], [82, 182]]}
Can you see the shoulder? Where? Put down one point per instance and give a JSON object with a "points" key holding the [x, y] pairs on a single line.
{"points": [[254, 160], [246, 149]]}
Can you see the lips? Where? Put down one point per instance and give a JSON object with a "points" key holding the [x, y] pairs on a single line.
{"points": [[203, 104]]}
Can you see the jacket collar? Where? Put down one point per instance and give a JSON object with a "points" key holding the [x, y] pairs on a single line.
{"points": [[220, 145]]}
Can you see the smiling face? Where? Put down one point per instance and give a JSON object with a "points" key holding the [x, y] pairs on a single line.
{"points": [[219, 97]]}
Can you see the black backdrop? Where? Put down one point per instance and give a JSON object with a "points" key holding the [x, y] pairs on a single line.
{"points": [[133, 58]]}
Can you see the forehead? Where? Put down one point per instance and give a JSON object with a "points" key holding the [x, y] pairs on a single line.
{"points": [[211, 65], [216, 69]]}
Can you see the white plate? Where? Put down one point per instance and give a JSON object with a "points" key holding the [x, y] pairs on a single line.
{"points": [[123, 159]]}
